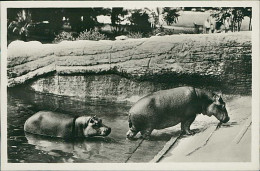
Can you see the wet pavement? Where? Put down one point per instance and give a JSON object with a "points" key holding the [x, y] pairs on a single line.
{"points": [[229, 143]]}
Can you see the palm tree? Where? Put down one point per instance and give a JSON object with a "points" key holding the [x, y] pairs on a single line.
{"points": [[236, 15], [21, 24], [117, 16], [221, 14], [155, 16], [170, 15]]}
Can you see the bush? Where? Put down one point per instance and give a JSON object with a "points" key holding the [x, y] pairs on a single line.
{"points": [[158, 30], [134, 35], [91, 35], [64, 36], [169, 31], [162, 31], [140, 22]]}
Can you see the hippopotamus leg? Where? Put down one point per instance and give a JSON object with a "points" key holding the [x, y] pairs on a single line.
{"points": [[185, 126], [132, 132], [146, 133]]}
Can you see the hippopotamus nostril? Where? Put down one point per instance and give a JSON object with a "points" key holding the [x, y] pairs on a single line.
{"points": [[108, 131], [105, 131]]}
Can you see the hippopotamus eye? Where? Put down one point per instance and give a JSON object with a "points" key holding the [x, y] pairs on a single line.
{"points": [[221, 106], [95, 126]]}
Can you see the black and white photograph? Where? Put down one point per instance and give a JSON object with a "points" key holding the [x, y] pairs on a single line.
{"points": [[120, 85]]}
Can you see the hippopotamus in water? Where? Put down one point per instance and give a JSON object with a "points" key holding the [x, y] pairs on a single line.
{"points": [[167, 108], [65, 126]]}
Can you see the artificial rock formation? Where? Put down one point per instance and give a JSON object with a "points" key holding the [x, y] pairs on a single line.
{"points": [[142, 65]]}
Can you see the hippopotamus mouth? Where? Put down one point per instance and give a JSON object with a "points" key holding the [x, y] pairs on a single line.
{"points": [[222, 117], [106, 133], [102, 132], [226, 119]]}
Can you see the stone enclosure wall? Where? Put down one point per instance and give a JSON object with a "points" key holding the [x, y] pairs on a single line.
{"points": [[222, 62]]}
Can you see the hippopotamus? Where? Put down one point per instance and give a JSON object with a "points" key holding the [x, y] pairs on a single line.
{"points": [[65, 126], [167, 108]]}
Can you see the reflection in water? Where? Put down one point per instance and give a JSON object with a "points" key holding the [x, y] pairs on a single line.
{"points": [[23, 147], [80, 149]]}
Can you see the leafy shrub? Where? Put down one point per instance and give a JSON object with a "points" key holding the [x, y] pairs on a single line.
{"points": [[169, 31], [64, 36], [158, 30], [91, 35], [186, 31], [162, 31], [134, 35]]}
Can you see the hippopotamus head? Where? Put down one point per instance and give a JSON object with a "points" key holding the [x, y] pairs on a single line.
{"points": [[91, 126], [217, 107]]}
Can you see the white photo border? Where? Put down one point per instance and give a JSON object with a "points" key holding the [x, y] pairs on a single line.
{"points": [[253, 165]]}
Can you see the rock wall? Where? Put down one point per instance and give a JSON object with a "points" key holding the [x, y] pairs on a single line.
{"points": [[222, 62]]}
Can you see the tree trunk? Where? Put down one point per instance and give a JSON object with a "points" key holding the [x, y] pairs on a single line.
{"points": [[23, 37], [239, 25], [250, 24]]}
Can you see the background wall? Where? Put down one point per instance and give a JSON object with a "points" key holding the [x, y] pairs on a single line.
{"points": [[222, 62]]}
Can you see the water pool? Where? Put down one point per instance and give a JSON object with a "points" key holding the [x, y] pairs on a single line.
{"points": [[28, 148]]}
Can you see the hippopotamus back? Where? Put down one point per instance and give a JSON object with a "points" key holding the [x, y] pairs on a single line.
{"points": [[51, 124], [166, 108]]}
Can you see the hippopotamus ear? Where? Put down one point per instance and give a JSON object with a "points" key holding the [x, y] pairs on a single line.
{"points": [[218, 98], [215, 97], [94, 117], [95, 120]]}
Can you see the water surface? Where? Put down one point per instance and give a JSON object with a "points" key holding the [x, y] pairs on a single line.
{"points": [[28, 148]]}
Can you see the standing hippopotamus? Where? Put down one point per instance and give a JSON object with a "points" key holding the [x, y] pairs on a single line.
{"points": [[167, 108], [65, 126]]}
